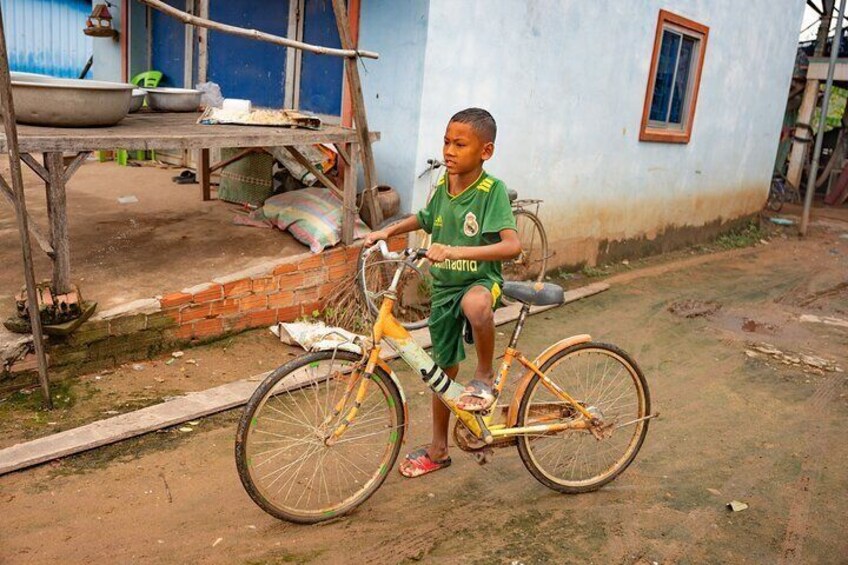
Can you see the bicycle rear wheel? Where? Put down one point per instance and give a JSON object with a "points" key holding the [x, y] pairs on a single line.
{"points": [[412, 308], [281, 457], [531, 264], [609, 384]]}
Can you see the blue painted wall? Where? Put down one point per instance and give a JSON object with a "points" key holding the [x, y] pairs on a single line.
{"points": [[168, 52], [45, 36], [245, 68], [321, 76], [393, 87]]}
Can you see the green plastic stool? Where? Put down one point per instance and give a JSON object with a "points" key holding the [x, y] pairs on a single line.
{"points": [[147, 79]]}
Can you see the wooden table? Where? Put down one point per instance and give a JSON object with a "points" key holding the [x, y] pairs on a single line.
{"points": [[148, 130]]}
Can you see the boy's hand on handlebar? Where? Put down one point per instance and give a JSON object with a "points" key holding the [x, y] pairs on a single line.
{"points": [[374, 237], [438, 253]]}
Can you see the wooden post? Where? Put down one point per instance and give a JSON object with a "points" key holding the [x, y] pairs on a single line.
{"points": [[58, 219], [203, 174], [8, 112], [349, 209], [359, 118]]}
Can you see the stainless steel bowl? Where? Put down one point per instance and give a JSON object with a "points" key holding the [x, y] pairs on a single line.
{"points": [[137, 102], [173, 99], [61, 102]]}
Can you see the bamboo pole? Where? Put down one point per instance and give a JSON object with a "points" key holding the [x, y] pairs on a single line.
{"points": [[255, 34], [8, 110], [359, 117]]}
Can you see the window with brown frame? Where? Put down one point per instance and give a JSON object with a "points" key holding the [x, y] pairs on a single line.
{"points": [[672, 92]]}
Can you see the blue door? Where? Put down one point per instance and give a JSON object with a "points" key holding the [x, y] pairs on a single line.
{"points": [[167, 51], [321, 75], [246, 68]]}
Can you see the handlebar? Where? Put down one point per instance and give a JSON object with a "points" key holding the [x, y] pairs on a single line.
{"points": [[409, 252]]}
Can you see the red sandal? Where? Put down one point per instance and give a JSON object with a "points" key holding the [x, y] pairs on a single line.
{"points": [[419, 462]]}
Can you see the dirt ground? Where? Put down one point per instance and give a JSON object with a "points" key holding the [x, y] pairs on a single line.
{"points": [[743, 417], [168, 240]]}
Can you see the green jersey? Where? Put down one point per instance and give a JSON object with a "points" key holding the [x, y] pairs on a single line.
{"points": [[473, 217]]}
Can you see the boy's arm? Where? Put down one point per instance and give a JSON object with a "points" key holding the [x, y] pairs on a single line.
{"points": [[404, 226], [507, 248]]}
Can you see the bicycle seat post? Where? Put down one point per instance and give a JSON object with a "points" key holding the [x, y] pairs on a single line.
{"points": [[519, 325]]}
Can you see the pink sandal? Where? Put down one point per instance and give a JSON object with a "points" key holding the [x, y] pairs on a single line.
{"points": [[418, 463]]}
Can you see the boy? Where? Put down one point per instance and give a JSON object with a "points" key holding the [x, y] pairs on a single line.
{"points": [[473, 230]]}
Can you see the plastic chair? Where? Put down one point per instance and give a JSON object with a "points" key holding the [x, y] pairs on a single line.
{"points": [[147, 79]]}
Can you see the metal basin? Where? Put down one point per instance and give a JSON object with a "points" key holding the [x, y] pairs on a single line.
{"points": [[173, 99], [137, 102], [61, 102]]}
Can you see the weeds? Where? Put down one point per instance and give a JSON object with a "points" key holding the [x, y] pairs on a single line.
{"points": [[744, 237]]}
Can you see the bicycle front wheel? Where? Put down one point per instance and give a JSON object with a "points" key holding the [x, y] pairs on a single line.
{"points": [[531, 264], [282, 459], [609, 384]]}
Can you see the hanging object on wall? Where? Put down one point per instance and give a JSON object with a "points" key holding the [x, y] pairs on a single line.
{"points": [[99, 23]]}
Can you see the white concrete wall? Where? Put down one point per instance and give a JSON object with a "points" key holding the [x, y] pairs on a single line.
{"points": [[393, 86], [566, 82]]}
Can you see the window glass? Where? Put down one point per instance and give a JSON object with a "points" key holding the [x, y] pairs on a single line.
{"points": [[665, 75], [681, 82]]}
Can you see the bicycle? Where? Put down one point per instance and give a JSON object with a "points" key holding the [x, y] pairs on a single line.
{"points": [[780, 192], [412, 308], [321, 433]]}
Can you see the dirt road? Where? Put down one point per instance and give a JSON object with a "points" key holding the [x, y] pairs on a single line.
{"points": [[760, 427]]}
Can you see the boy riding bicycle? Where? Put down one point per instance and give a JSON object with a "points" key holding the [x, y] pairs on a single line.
{"points": [[473, 231]]}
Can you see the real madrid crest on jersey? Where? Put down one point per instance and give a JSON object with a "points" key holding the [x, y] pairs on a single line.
{"points": [[470, 227]]}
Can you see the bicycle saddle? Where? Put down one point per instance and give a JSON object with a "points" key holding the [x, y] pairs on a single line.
{"points": [[513, 194], [534, 293]]}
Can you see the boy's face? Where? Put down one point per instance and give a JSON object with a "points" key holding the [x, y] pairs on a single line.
{"points": [[464, 151]]}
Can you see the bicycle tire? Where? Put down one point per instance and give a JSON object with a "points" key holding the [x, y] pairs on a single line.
{"points": [[531, 264], [583, 389], [258, 427], [366, 273]]}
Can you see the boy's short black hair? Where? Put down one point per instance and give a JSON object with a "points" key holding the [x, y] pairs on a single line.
{"points": [[479, 119]]}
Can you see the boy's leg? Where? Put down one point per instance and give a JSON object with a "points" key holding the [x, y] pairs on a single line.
{"points": [[477, 307], [441, 420]]}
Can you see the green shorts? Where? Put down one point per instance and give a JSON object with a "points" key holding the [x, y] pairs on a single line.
{"points": [[447, 322]]}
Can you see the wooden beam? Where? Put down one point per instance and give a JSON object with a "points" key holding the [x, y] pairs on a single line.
{"points": [[202, 42], [359, 117], [34, 230], [237, 157], [254, 34], [35, 166], [342, 153], [815, 8], [58, 211], [319, 174], [74, 165], [349, 210], [7, 110]]}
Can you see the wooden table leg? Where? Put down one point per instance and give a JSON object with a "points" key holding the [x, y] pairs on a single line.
{"points": [[203, 174], [58, 219], [349, 209]]}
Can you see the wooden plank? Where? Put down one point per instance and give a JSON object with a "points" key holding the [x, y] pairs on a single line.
{"points": [[345, 156], [34, 230], [202, 39], [359, 115], [10, 131], [58, 219], [349, 210], [237, 157], [204, 174], [193, 405], [153, 130], [75, 164], [322, 178], [35, 167]]}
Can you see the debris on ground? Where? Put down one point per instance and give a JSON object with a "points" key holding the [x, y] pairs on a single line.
{"points": [[186, 429], [177, 354], [170, 361], [694, 308], [751, 326], [316, 336], [827, 320], [782, 221], [737, 506], [138, 367], [127, 199], [808, 363]]}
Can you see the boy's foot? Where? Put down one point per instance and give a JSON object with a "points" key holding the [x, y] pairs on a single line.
{"points": [[419, 463], [477, 397]]}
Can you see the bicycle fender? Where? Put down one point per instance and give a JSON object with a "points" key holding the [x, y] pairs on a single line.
{"points": [[512, 414]]}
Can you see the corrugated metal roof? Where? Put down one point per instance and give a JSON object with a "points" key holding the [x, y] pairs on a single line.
{"points": [[45, 36]]}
